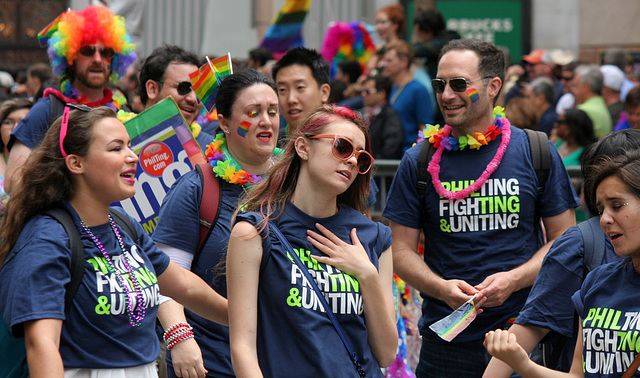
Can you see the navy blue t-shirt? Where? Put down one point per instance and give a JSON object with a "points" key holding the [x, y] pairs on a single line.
{"points": [[560, 276], [95, 331], [609, 306], [178, 226], [493, 230], [294, 336]]}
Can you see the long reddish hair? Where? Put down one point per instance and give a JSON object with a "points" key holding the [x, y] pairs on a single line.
{"points": [[273, 193]]}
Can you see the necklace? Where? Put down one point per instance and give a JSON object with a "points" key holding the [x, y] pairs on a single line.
{"points": [[500, 123], [225, 166], [134, 319]]}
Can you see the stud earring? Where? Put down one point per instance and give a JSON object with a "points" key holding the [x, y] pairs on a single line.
{"points": [[226, 131]]}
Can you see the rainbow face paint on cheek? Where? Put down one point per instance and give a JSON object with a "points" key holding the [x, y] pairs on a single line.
{"points": [[473, 94], [243, 128]]}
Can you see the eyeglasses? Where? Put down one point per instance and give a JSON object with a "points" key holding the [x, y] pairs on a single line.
{"points": [[65, 122], [458, 84], [183, 87], [90, 50], [9, 123], [369, 91], [344, 149]]}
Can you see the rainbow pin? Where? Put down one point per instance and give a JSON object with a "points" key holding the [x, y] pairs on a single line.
{"points": [[450, 326], [243, 128], [473, 94]]}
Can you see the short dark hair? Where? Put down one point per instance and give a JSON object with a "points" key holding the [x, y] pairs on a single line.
{"points": [[261, 55], [492, 61], [625, 167], [302, 56], [155, 65], [429, 20], [351, 68], [232, 85], [382, 83], [611, 145], [633, 98]]}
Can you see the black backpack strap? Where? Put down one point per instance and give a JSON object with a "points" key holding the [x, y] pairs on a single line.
{"points": [[209, 206], [540, 156], [594, 243], [77, 252], [56, 109], [426, 153], [125, 224]]}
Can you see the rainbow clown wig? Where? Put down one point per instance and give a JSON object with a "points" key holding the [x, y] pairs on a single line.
{"points": [[74, 29]]}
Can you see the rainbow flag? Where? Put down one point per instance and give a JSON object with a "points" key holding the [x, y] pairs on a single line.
{"points": [[450, 326], [207, 79], [285, 31], [46, 33], [473, 94]]}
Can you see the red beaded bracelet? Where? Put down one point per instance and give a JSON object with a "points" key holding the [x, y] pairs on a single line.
{"points": [[178, 339], [174, 328]]}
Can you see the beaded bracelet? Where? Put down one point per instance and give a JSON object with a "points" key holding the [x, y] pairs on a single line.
{"points": [[179, 339], [175, 328], [178, 334]]}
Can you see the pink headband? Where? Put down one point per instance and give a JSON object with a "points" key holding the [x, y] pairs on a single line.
{"points": [[63, 130]]}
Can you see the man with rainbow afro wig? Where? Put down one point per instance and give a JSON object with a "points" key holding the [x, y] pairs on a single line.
{"points": [[87, 49]]}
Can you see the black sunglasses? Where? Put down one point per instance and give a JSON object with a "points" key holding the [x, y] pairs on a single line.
{"points": [[90, 50], [183, 87], [458, 84]]}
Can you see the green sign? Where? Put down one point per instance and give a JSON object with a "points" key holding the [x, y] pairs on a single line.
{"points": [[499, 22]]}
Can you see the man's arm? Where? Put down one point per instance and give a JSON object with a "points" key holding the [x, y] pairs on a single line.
{"points": [[17, 158], [499, 286], [408, 264]]}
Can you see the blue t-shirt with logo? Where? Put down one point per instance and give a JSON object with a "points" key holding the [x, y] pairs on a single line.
{"points": [[609, 307], [95, 331], [178, 226], [294, 336], [548, 305], [493, 230]]}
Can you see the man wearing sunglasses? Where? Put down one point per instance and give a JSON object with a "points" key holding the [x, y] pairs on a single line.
{"points": [[480, 212], [165, 72], [84, 61]]}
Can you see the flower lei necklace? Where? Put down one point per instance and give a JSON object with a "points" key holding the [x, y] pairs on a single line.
{"points": [[500, 125], [225, 167], [134, 319]]}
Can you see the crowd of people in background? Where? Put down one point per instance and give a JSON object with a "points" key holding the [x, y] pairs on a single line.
{"points": [[481, 210]]}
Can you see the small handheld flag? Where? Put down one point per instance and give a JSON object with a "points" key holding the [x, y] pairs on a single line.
{"points": [[206, 80], [450, 326], [46, 33]]}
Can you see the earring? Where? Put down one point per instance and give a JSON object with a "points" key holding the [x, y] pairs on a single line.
{"points": [[226, 131]]}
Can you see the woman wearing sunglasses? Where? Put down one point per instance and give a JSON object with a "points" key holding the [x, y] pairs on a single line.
{"points": [[243, 149], [315, 195], [84, 163]]}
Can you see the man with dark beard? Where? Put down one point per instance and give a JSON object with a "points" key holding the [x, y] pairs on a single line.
{"points": [[87, 49]]}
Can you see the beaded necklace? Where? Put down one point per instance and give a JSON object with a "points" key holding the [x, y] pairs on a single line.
{"points": [[134, 319], [500, 125], [225, 166]]}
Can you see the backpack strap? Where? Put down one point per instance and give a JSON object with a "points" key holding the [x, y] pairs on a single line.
{"points": [[426, 153], [540, 156], [594, 243], [56, 109], [125, 224], [77, 252], [209, 206]]}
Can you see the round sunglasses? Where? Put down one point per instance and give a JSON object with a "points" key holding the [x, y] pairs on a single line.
{"points": [[458, 84], [344, 149], [90, 50], [183, 87]]}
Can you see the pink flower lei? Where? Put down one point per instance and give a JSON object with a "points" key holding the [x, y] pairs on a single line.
{"points": [[502, 125]]}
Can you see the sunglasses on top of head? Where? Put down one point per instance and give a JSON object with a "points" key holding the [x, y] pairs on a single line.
{"points": [[183, 87], [90, 50], [458, 84], [344, 149]]}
